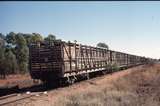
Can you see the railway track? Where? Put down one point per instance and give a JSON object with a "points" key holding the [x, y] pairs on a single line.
{"points": [[25, 94], [6, 100], [22, 94], [38, 91]]}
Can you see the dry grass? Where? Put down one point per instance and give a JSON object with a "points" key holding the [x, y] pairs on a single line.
{"points": [[140, 88]]}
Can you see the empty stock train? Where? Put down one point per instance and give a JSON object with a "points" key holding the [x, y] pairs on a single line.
{"points": [[59, 60]]}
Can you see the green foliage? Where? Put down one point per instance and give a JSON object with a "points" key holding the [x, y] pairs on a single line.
{"points": [[115, 67], [23, 67], [10, 62], [2, 36], [22, 52], [10, 38], [36, 37], [14, 51], [17, 51], [2, 62], [50, 38], [20, 40], [104, 45], [2, 58], [28, 38], [2, 42]]}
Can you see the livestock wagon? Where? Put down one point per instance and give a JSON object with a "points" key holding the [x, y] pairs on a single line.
{"points": [[50, 61]]}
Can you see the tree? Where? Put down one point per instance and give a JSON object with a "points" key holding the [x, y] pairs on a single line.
{"points": [[20, 40], [2, 42], [104, 45], [14, 52], [10, 62], [22, 52], [50, 38], [2, 63], [28, 38], [2, 57], [36, 37], [2, 36], [10, 38]]}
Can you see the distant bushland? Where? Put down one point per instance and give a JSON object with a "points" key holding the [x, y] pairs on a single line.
{"points": [[14, 51]]}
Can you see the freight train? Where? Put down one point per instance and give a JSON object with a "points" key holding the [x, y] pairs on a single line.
{"points": [[66, 61]]}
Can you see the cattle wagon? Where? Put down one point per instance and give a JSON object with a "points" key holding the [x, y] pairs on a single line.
{"points": [[57, 60]]}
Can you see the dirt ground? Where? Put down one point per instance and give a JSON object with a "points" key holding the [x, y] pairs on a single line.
{"points": [[139, 86], [18, 79]]}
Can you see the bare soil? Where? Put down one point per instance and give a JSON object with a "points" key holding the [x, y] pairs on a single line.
{"points": [[139, 86], [16, 80]]}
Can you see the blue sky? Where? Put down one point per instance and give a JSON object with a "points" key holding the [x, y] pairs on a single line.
{"points": [[132, 27]]}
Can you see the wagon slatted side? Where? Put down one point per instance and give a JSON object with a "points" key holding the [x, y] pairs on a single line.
{"points": [[58, 59]]}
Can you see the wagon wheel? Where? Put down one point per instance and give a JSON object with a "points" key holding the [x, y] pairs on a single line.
{"points": [[104, 72], [71, 80], [87, 76]]}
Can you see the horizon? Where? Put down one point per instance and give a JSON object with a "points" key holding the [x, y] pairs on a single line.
{"points": [[130, 27]]}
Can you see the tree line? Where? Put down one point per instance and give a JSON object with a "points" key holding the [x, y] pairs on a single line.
{"points": [[14, 51]]}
